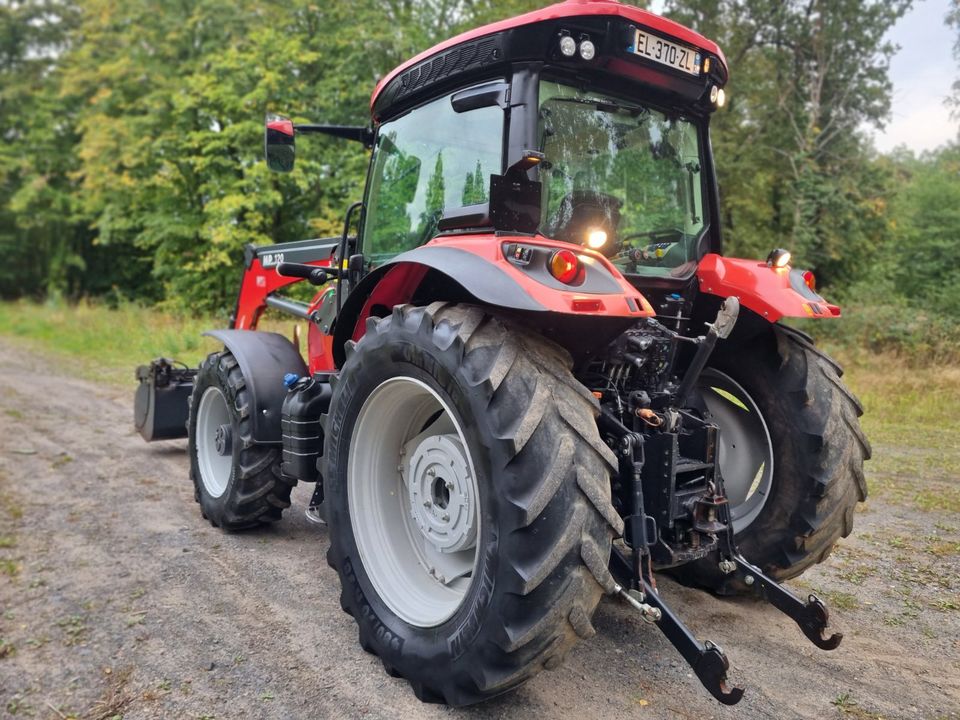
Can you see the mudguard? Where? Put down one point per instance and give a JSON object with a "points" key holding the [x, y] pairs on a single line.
{"points": [[772, 293], [479, 265], [264, 358]]}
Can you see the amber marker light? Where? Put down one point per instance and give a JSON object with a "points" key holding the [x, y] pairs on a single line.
{"points": [[565, 266]]}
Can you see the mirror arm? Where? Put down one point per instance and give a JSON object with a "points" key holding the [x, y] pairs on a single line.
{"points": [[344, 132]]}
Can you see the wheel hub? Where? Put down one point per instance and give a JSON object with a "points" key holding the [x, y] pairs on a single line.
{"points": [[223, 440], [442, 498]]}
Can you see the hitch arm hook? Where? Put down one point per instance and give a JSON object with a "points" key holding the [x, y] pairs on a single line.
{"points": [[707, 659], [812, 616]]}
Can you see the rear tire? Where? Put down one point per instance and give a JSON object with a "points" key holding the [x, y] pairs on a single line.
{"points": [[542, 478], [237, 482], [818, 452]]}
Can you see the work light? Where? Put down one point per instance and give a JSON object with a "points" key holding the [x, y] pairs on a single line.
{"points": [[588, 50], [596, 239], [568, 46], [778, 258]]}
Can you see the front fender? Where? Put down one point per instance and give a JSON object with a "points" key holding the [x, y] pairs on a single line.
{"points": [[264, 358], [772, 293]]}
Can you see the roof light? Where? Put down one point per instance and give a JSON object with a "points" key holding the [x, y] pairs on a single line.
{"points": [[596, 239], [568, 46], [706, 66], [588, 50], [714, 94], [778, 258], [565, 266], [721, 98]]}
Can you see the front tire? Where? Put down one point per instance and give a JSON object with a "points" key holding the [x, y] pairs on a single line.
{"points": [[500, 404], [783, 403], [237, 482]]}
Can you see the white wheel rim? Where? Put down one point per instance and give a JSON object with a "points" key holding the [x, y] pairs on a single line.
{"points": [[745, 452], [215, 467], [414, 503]]}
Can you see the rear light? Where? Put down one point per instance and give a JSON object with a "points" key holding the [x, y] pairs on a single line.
{"points": [[587, 305], [810, 280], [565, 266]]}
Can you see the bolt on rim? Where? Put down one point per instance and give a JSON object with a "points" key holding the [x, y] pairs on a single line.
{"points": [[214, 442], [413, 500]]}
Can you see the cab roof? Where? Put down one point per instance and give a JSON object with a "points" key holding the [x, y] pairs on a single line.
{"points": [[564, 10]]}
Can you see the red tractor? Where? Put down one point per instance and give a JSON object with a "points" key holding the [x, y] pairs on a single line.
{"points": [[533, 379]]}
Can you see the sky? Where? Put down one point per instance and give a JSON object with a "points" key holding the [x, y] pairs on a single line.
{"points": [[922, 72]]}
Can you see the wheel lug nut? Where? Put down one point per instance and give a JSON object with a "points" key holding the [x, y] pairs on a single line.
{"points": [[448, 485], [445, 517], [427, 503], [431, 473]]}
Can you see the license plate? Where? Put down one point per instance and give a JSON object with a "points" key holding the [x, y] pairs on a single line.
{"points": [[667, 53]]}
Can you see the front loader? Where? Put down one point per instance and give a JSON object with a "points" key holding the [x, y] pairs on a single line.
{"points": [[532, 377]]}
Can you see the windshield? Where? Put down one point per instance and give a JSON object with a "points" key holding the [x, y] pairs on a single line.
{"points": [[622, 178]]}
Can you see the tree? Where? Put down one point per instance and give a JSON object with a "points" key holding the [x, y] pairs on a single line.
{"points": [[793, 164], [924, 263], [953, 20], [41, 247]]}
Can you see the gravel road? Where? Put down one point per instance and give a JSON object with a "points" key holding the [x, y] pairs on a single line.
{"points": [[118, 600]]}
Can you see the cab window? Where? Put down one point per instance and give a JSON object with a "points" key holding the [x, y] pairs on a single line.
{"points": [[425, 162]]}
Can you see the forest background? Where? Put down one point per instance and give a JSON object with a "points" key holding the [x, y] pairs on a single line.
{"points": [[131, 165]]}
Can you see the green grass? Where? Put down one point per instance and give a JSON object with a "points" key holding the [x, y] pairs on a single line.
{"points": [[107, 344], [912, 418]]}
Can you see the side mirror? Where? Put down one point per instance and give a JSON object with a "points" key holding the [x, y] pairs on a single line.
{"points": [[278, 143]]}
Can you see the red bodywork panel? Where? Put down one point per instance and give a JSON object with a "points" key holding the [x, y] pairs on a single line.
{"points": [[765, 290], [399, 284], [571, 8], [284, 126], [257, 283], [319, 343]]}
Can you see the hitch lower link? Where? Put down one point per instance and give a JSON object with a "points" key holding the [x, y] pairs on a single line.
{"points": [[707, 659]]}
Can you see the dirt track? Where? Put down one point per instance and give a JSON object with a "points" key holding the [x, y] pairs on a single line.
{"points": [[117, 599]]}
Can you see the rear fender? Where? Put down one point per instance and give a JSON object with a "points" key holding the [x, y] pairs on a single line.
{"points": [[772, 293], [264, 358], [479, 265]]}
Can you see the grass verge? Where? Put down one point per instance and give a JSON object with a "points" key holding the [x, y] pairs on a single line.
{"points": [[107, 344]]}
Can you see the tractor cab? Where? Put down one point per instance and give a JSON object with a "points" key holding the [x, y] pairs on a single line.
{"points": [[582, 127], [584, 123]]}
